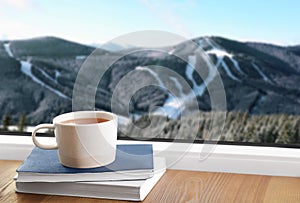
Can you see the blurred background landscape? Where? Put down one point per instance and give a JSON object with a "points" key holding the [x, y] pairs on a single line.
{"points": [[257, 57], [260, 80]]}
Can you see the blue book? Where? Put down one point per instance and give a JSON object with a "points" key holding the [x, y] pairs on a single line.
{"points": [[132, 162]]}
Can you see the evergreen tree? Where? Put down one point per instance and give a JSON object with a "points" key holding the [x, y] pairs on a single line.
{"points": [[5, 122], [22, 121]]}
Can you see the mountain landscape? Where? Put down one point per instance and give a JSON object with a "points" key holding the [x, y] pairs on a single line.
{"points": [[38, 76]]}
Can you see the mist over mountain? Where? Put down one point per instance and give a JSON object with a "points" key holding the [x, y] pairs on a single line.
{"points": [[38, 76]]}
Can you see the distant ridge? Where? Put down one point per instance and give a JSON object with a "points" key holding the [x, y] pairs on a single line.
{"points": [[48, 46]]}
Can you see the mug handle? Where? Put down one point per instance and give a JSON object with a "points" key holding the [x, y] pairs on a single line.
{"points": [[36, 142]]}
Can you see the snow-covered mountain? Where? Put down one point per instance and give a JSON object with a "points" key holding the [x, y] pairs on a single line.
{"points": [[38, 75]]}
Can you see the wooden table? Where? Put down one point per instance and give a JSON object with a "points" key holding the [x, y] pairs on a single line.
{"points": [[179, 186]]}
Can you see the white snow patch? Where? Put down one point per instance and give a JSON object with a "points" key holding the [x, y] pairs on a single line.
{"points": [[57, 74], [8, 50], [210, 43], [26, 128], [46, 75], [171, 51], [200, 43], [26, 69], [154, 74], [236, 65], [172, 105], [81, 57], [265, 78], [219, 53], [259, 101], [171, 108], [199, 89], [229, 73], [122, 120], [190, 69]]}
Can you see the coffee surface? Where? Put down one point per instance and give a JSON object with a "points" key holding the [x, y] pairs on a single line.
{"points": [[85, 121]]}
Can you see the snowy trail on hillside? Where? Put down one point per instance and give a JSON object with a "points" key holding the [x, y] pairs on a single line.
{"points": [[154, 74], [26, 69], [56, 75], [236, 65], [47, 76], [172, 104], [199, 89], [265, 78], [220, 54], [189, 73], [228, 72], [7, 49]]}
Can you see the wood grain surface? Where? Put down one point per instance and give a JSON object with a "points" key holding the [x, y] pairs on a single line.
{"points": [[179, 186]]}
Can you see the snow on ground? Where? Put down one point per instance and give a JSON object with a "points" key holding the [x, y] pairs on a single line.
{"points": [[14, 128], [26, 69], [171, 51], [8, 50], [265, 78], [171, 107], [220, 54], [57, 74], [82, 57], [190, 69], [200, 43], [258, 102], [216, 50], [228, 72], [122, 120], [198, 89], [211, 75], [47, 76], [154, 74], [236, 65]]}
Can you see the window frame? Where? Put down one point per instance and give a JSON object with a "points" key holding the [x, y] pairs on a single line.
{"points": [[258, 160]]}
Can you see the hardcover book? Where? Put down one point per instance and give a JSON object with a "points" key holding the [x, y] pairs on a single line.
{"points": [[133, 190], [132, 162]]}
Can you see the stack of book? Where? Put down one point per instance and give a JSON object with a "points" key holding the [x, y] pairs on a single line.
{"points": [[130, 177]]}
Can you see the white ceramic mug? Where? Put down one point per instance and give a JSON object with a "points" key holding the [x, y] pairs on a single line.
{"points": [[88, 145]]}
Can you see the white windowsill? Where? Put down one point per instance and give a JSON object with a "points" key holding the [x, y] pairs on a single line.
{"points": [[224, 158]]}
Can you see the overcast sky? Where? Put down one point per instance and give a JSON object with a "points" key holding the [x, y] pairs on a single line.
{"points": [[94, 21]]}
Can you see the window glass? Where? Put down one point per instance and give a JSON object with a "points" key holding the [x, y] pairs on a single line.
{"points": [[252, 47]]}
